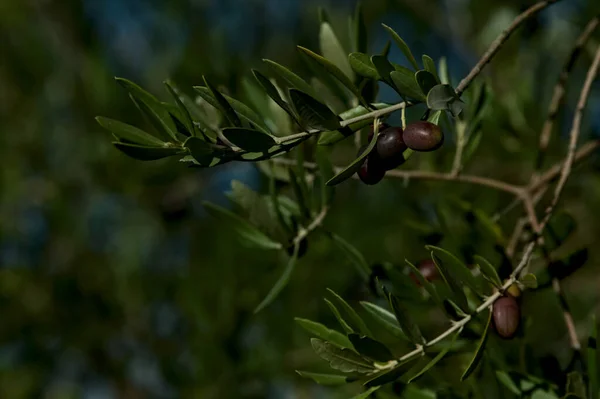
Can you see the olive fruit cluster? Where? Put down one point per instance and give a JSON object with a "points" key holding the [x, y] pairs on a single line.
{"points": [[392, 141]]}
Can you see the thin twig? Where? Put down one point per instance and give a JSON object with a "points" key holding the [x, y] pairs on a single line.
{"points": [[314, 224], [560, 90], [500, 40]]}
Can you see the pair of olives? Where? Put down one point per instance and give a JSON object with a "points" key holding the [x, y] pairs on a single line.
{"points": [[392, 141]]}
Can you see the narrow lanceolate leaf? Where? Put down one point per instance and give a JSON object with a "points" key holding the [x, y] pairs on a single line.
{"points": [[324, 379], [281, 282], [403, 47], [345, 326], [434, 361], [389, 375], [371, 348], [291, 78], [488, 270], [385, 318], [444, 75], [326, 334], [300, 193], [425, 80], [272, 92], [158, 116], [360, 29], [456, 268], [479, 351], [343, 359], [429, 66], [592, 360], [313, 113], [361, 64], [366, 393], [333, 70], [241, 109], [332, 49], [404, 79], [325, 173], [129, 134], [145, 153], [353, 255], [333, 136], [410, 328], [223, 105], [356, 322], [455, 286], [249, 234], [354, 166], [575, 385], [249, 139], [384, 67], [200, 150], [185, 113]]}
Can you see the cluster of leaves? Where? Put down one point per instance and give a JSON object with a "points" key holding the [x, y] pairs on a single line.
{"points": [[215, 128]]}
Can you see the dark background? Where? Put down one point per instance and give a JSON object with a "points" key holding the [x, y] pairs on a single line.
{"points": [[113, 280]]}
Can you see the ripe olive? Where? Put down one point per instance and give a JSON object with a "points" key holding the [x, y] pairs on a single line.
{"points": [[506, 316], [428, 270], [372, 170], [390, 147], [423, 136]]}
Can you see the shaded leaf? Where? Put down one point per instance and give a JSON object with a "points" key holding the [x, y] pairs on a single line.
{"points": [[441, 97], [363, 66], [301, 199], [129, 134], [424, 283], [389, 375], [506, 380], [333, 70], [575, 385], [384, 317], [332, 49], [282, 281], [356, 322], [272, 92], [455, 268], [324, 379], [403, 47], [200, 150], [345, 326], [144, 153], [426, 81], [370, 348], [185, 113], [563, 268], [349, 170], [293, 80], [318, 329], [249, 234], [366, 394], [353, 255], [479, 351], [222, 104], [343, 359], [472, 145], [559, 229], [313, 113], [325, 173], [360, 29], [434, 361], [404, 79], [592, 360], [429, 66], [249, 139], [158, 116], [488, 270], [408, 326]]}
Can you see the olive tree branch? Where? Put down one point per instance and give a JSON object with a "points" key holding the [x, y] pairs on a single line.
{"points": [[303, 232], [500, 40], [560, 90]]}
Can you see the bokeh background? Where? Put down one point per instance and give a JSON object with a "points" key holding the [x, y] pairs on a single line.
{"points": [[114, 283]]}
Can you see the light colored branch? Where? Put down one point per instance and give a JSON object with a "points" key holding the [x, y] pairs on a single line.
{"points": [[303, 232], [560, 89], [500, 40]]}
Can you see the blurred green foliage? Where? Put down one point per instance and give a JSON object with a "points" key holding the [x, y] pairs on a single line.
{"points": [[113, 280]]}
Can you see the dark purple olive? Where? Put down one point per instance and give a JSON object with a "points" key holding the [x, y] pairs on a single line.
{"points": [[390, 147], [423, 136], [372, 170], [506, 315], [428, 269], [382, 127]]}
